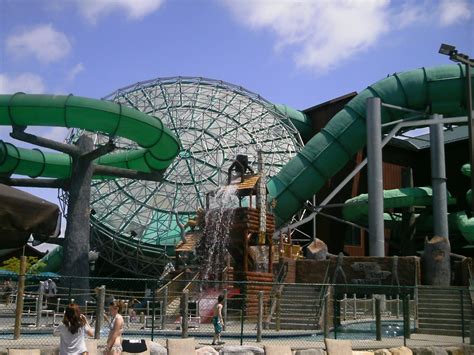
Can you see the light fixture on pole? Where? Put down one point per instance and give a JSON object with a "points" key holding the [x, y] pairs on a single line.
{"points": [[457, 57]]}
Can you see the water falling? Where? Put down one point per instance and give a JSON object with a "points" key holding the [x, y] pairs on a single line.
{"points": [[212, 248]]}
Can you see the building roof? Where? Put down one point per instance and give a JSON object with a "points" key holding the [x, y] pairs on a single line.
{"points": [[421, 142]]}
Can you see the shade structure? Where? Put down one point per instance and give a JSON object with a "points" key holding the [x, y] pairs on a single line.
{"points": [[23, 214]]}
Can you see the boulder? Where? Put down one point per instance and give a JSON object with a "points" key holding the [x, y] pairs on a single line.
{"points": [[317, 250], [310, 352], [382, 352], [402, 350], [454, 350], [241, 350], [430, 350]]}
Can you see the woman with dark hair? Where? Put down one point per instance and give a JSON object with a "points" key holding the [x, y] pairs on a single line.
{"points": [[72, 331], [114, 341]]}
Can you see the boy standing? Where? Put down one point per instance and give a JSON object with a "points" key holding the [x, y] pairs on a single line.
{"points": [[217, 321]]}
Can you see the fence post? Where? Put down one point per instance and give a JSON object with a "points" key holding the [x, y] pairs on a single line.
{"points": [[354, 310], [406, 317], [378, 320], [344, 307], [39, 306], [99, 311], [462, 315], [19, 297], [224, 308], [260, 316], [278, 310], [398, 306], [165, 307], [326, 316], [70, 290], [373, 307], [184, 314], [153, 311]]}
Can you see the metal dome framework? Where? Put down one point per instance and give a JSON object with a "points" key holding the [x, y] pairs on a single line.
{"points": [[135, 222]]}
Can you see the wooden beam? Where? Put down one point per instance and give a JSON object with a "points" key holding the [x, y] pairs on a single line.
{"points": [[98, 152], [127, 173], [37, 182], [18, 133]]}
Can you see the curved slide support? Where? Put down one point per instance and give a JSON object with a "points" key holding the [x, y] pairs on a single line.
{"points": [[356, 210], [159, 145], [441, 88]]}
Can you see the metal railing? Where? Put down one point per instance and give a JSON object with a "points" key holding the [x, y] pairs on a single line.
{"points": [[359, 314]]}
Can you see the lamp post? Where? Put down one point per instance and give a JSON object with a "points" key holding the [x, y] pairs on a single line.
{"points": [[457, 57]]}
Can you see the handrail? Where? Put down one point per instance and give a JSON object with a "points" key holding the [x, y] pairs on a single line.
{"points": [[324, 288], [277, 288]]}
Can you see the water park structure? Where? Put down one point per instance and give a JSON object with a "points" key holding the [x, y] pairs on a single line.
{"points": [[146, 166]]}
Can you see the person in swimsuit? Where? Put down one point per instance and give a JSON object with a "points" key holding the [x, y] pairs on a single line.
{"points": [[72, 331], [114, 341], [217, 321]]}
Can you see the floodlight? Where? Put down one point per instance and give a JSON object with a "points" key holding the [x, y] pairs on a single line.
{"points": [[447, 49]]}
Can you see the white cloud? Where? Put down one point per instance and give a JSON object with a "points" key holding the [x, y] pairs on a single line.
{"points": [[134, 9], [321, 33], [454, 11], [78, 68], [42, 42], [25, 82]]}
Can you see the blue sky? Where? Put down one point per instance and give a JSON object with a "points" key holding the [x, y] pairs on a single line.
{"points": [[299, 53]]}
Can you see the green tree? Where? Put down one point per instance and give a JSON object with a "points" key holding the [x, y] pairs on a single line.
{"points": [[13, 264]]}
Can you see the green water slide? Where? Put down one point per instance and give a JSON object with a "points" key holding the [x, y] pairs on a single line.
{"points": [[356, 210], [442, 89], [159, 146]]}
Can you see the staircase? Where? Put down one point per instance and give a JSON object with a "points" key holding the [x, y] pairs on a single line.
{"points": [[439, 311], [299, 307]]}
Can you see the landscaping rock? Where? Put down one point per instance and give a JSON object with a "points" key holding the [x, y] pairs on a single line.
{"points": [[431, 350], [453, 350], [382, 352], [310, 352], [402, 350], [207, 350], [156, 349], [241, 350]]}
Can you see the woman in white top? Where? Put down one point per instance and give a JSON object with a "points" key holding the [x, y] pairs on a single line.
{"points": [[114, 341], [72, 331]]}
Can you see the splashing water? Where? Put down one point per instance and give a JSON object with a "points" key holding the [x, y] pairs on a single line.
{"points": [[212, 248]]}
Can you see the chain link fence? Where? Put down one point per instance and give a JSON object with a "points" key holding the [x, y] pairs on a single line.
{"points": [[300, 315]]}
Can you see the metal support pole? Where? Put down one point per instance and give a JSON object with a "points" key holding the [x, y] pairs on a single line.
{"points": [[165, 307], [354, 309], [278, 310], [224, 308], [463, 334], [438, 180], [153, 311], [184, 314], [99, 312], [375, 177], [326, 316], [20, 297], [378, 320], [314, 219], [406, 317], [470, 125], [39, 307], [260, 317]]}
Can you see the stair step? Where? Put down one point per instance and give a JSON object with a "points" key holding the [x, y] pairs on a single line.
{"points": [[441, 331]]}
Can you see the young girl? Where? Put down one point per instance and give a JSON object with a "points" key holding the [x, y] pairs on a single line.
{"points": [[114, 342], [72, 330]]}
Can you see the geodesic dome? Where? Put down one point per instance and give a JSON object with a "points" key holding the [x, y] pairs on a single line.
{"points": [[135, 222]]}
